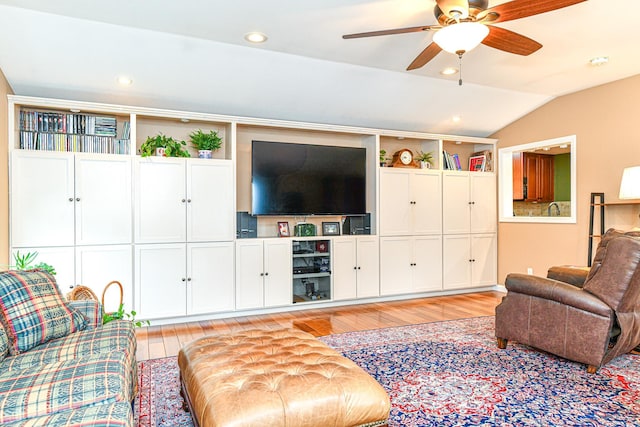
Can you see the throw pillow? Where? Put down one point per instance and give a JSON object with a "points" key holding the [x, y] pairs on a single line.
{"points": [[34, 310], [4, 343]]}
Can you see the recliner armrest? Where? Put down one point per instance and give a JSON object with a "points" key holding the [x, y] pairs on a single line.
{"points": [[557, 291], [570, 274]]}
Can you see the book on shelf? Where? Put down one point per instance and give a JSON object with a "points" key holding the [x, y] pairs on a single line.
{"points": [[488, 161], [451, 161], [477, 163]]}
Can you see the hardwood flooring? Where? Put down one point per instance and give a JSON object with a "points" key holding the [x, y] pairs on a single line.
{"points": [[166, 340]]}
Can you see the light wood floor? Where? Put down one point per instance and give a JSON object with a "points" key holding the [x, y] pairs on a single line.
{"points": [[164, 341]]}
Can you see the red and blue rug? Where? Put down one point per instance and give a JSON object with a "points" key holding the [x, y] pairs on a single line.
{"points": [[451, 374]]}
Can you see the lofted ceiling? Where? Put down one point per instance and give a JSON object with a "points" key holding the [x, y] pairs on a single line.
{"points": [[191, 55]]}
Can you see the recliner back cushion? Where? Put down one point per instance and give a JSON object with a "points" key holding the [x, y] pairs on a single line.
{"points": [[611, 279], [33, 310], [608, 236]]}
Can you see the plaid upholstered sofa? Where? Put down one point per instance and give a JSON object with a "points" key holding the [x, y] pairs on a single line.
{"points": [[59, 366]]}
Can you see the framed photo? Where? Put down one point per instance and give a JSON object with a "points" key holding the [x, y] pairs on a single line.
{"points": [[283, 229], [477, 163], [330, 228]]}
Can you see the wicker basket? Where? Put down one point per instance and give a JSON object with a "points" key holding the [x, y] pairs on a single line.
{"points": [[81, 292]]}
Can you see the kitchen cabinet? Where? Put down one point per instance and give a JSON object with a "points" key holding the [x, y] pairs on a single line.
{"points": [[355, 267]]}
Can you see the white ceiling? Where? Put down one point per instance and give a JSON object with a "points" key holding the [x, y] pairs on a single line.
{"points": [[191, 55]]}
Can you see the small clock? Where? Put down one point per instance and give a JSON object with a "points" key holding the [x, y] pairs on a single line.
{"points": [[403, 159]]}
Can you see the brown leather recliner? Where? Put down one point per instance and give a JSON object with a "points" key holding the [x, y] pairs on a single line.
{"points": [[579, 324]]}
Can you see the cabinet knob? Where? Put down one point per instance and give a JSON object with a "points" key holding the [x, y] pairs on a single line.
{"points": [[77, 199], [355, 268], [266, 274], [71, 199], [184, 200], [188, 200], [188, 279], [183, 279], [358, 268], [261, 274]]}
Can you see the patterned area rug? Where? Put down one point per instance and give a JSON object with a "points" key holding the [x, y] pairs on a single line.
{"points": [[452, 374]]}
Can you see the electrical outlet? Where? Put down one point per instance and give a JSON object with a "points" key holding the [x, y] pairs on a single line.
{"points": [[529, 270]]}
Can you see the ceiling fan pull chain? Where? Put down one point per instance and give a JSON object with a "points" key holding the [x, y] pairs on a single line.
{"points": [[460, 60]]}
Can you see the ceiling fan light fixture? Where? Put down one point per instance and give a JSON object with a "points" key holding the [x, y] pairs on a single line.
{"points": [[461, 37], [449, 71]]}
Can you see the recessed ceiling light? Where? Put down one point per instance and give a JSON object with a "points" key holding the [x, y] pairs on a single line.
{"points": [[449, 71], [255, 37], [599, 60], [456, 118], [184, 120], [125, 81]]}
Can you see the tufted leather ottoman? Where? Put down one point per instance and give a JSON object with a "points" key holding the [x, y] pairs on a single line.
{"points": [[277, 378]]}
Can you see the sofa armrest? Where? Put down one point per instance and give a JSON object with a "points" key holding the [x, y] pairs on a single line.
{"points": [[557, 291], [92, 310], [570, 274]]}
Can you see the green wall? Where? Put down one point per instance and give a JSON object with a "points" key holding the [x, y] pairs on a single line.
{"points": [[562, 177]]}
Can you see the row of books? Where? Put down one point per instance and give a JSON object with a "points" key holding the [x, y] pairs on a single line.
{"points": [[451, 161], [71, 123], [73, 143]]}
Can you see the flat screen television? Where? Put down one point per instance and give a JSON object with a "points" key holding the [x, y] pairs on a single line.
{"points": [[306, 179]]}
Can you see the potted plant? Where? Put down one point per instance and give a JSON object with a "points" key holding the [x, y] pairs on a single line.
{"points": [[25, 262], [383, 159], [205, 143], [425, 159], [121, 314], [162, 145]]}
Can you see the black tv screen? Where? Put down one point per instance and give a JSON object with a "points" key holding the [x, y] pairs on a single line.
{"points": [[305, 179]]}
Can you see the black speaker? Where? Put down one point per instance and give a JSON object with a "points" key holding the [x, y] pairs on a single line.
{"points": [[246, 225], [357, 224]]}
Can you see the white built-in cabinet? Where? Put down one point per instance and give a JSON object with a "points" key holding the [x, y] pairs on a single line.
{"points": [[178, 200], [263, 273], [178, 279], [411, 201], [355, 267], [165, 227], [469, 230], [410, 264]]}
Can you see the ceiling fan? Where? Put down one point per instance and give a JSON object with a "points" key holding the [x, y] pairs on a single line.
{"points": [[463, 24]]}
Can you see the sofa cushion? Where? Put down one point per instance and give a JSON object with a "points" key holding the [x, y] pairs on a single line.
{"points": [[118, 414], [34, 311], [47, 389], [4, 343]]}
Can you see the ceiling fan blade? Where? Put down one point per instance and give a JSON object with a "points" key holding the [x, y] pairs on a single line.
{"points": [[448, 6], [425, 56], [389, 32], [517, 9], [508, 41]]}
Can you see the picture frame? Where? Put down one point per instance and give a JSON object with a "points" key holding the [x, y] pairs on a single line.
{"points": [[331, 228], [283, 229], [477, 163]]}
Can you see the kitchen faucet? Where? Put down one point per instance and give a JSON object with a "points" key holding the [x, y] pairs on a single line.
{"points": [[549, 208]]}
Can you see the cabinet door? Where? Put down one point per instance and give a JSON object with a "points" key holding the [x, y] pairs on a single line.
{"points": [[395, 202], [396, 269], [96, 266], [42, 199], [485, 259], [531, 176], [249, 274], [456, 252], [456, 214], [103, 199], [427, 256], [545, 178], [160, 200], [483, 210], [368, 256], [345, 268], [518, 176], [278, 280], [210, 277], [160, 280], [426, 193], [210, 200]]}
